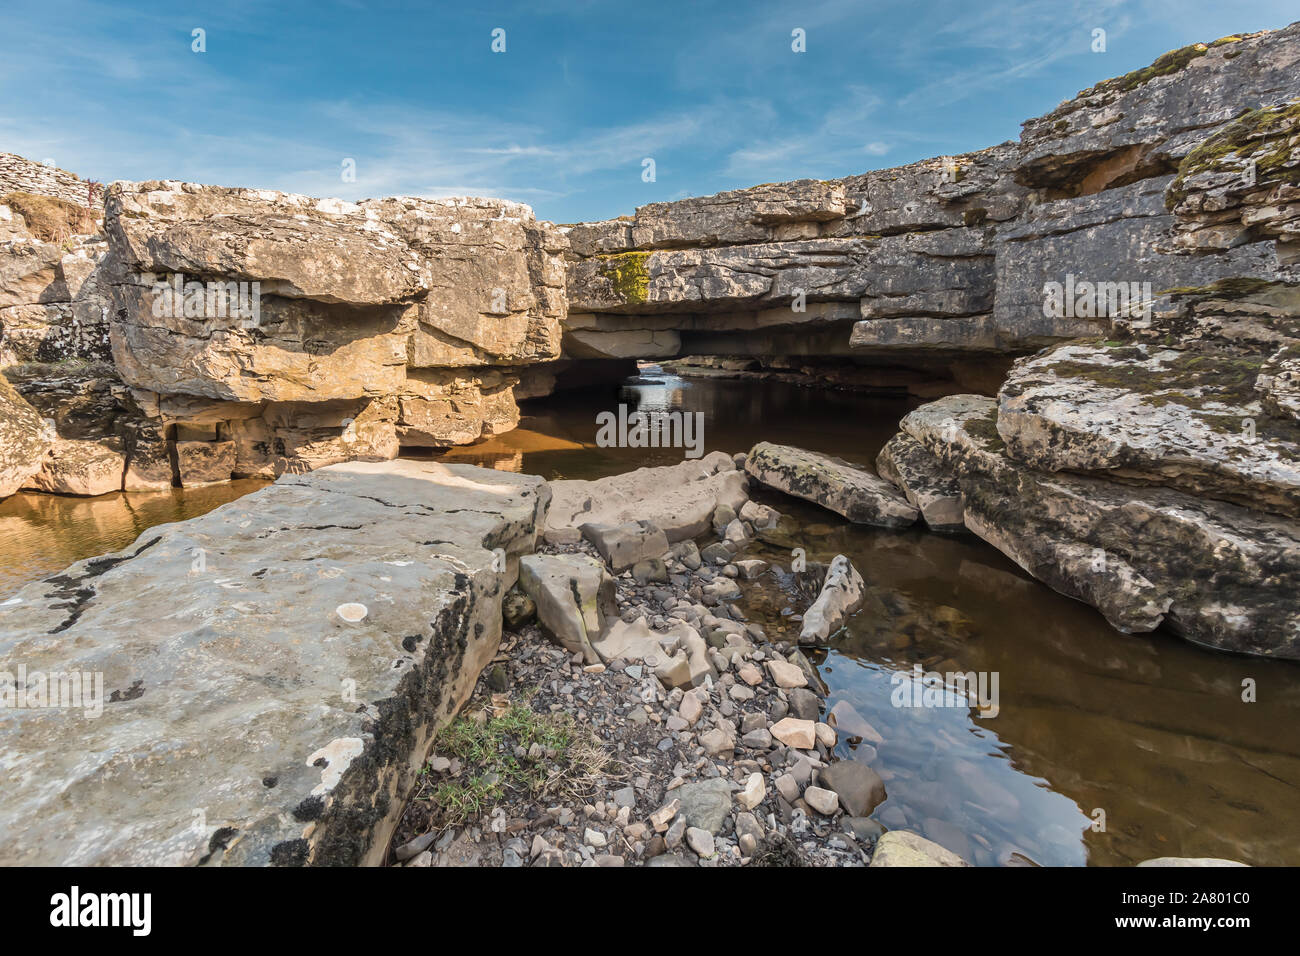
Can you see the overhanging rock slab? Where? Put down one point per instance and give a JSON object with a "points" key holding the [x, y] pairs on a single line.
{"points": [[245, 721]]}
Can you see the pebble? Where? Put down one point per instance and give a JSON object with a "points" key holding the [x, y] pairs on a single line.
{"points": [[788, 787], [752, 794], [796, 733], [824, 802], [786, 674], [673, 838], [415, 847], [701, 841], [661, 817]]}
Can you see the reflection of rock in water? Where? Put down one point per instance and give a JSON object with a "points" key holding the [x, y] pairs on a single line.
{"points": [[45, 533]]}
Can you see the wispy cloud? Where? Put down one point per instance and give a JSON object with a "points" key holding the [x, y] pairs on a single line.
{"points": [[713, 93]]}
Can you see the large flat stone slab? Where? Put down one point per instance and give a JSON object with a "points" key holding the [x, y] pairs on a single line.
{"points": [[845, 489], [906, 464], [679, 499], [245, 719]]}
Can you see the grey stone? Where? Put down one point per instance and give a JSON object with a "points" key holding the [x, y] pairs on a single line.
{"points": [[192, 730], [705, 803]]}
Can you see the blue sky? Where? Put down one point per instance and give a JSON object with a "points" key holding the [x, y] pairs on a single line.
{"points": [[584, 92]]}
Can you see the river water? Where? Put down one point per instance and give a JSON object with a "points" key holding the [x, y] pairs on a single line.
{"points": [[1105, 748]]}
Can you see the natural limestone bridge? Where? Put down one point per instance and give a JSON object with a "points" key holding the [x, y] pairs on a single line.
{"points": [[1148, 464]]}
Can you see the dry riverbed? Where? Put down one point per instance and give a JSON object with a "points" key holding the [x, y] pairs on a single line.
{"points": [[556, 762]]}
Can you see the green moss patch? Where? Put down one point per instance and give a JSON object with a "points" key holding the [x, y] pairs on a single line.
{"points": [[1268, 137], [1166, 64], [628, 276], [517, 751]]}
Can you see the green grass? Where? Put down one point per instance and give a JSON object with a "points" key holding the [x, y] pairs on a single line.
{"points": [[569, 762]]}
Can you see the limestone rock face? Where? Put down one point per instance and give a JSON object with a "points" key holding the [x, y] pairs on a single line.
{"points": [[678, 499], [1136, 180], [299, 436], [443, 407], [300, 350], [834, 484], [82, 467], [297, 247], [1189, 419], [897, 275], [915, 472], [52, 305], [25, 439], [1216, 573], [84, 400], [204, 462], [496, 280], [310, 661], [1279, 382], [1240, 184], [1119, 243], [358, 327], [774, 211], [1123, 126]]}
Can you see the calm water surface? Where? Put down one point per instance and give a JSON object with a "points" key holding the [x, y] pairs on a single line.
{"points": [[1144, 733], [41, 534]]}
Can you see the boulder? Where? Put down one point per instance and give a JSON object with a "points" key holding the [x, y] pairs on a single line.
{"points": [[903, 848], [575, 599], [858, 787], [631, 641], [705, 804], [678, 499], [834, 484], [624, 545], [309, 664], [687, 666], [796, 733], [1216, 573], [840, 596], [82, 467], [1187, 418], [517, 609], [915, 472], [25, 440]]}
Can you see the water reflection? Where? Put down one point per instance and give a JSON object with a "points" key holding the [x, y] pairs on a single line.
{"points": [[43, 534]]}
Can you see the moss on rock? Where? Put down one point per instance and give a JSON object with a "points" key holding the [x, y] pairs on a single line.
{"points": [[628, 276], [1268, 137]]}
